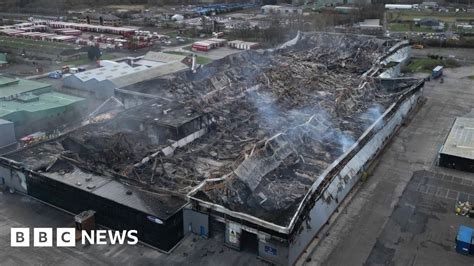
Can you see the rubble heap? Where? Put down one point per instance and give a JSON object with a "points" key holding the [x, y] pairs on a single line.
{"points": [[274, 121], [281, 120]]}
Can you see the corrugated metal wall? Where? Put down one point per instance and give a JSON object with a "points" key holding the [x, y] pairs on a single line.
{"points": [[348, 176], [108, 213]]}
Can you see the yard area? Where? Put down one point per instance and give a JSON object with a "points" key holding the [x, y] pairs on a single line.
{"points": [[410, 15], [19, 43], [427, 64], [84, 60], [406, 27], [200, 59]]}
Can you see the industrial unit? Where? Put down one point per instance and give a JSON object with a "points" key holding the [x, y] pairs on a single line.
{"points": [[282, 10], [246, 141], [241, 45], [34, 106], [457, 151], [102, 82], [92, 28], [99, 19]]}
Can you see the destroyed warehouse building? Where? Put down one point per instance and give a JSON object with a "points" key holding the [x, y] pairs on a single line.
{"points": [[267, 143]]}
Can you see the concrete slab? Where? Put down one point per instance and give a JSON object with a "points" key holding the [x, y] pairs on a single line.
{"points": [[421, 229]]}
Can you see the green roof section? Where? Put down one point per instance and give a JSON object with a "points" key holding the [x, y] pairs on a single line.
{"points": [[11, 87], [46, 102], [3, 58]]}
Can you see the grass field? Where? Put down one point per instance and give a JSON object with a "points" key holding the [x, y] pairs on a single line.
{"points": [[427, 64], [405, 27], [18, 43], [84, 60], [410, 15], [471, 77]]}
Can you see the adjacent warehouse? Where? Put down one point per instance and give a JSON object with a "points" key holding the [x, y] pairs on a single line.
{"points": [[99, 19], [458, 149], [93, 167], [7, 133], [102, 82], [33, 106]]}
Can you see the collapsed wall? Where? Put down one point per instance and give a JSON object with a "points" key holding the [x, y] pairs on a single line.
{"points": [[319, 109], [307, 106]]}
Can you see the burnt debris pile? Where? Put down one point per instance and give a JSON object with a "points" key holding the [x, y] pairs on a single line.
{"points": [[259, 126]]}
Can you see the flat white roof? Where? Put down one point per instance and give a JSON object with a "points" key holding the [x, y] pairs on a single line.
{"points": [[202, 43], [460, 140], [163, 57], [109, 72]]}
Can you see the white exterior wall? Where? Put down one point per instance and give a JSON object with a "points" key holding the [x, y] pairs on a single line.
{"points": [[13, 179], [347, 178], [401, 56]]}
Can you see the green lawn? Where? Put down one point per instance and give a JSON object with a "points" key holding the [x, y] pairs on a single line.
{"points": [[203, 60], [446, 17], [404, 27], [84, 60], [20, 43], [463, 30], [471, 77], [427, 64]]}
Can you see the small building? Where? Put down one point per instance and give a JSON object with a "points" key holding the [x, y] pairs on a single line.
{"points": [[33, 106], [208, 45], [457, 151], [241, 45], [398, 7], [126, 32], [99, 19], [428, 22], [432, 23], [370, 24], [8, 140], [69, 32], [280, 10], [3, 59], [202, 46], [429, 5]]}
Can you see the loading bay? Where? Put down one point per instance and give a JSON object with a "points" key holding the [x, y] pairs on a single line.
{"points": [[403, 213]]}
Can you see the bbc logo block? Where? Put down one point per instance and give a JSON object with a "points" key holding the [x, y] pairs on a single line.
{"points": [[43, 237], [20, 237], [66, 237]]}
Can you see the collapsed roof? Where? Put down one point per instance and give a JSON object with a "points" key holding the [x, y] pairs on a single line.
{"points": [[270, 123]]}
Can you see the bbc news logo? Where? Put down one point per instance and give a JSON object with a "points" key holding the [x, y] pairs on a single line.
{"points": [[66, 237]]}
